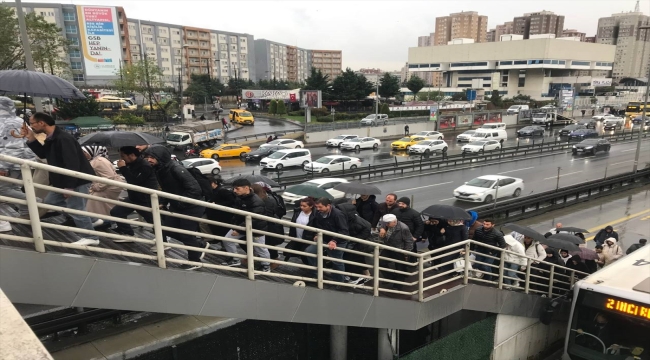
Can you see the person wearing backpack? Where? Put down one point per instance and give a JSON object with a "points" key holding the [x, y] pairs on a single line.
{"points": [[535, 250], [359, 228], [175, 179], [272, 209]]}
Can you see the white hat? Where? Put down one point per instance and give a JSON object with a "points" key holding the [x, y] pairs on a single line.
{"points": [[388, 218]]}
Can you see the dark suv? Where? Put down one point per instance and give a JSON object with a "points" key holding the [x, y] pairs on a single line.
{"points": [[567, 130], [581, 134]]}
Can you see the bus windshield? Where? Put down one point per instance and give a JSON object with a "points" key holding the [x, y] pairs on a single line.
{"points": [[633, 108], [607, 327]]}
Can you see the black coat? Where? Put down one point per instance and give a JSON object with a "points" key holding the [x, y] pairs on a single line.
{"points": [[603, 235], [357, 226], [62, 150], [433, 234], [224, 197], [174, 178], [140, 173], [368, 208], [411, 218], [492, 237], [455, 234], [306, 235], [253, 204], [336, 222], [271, 210], [382, 209]]}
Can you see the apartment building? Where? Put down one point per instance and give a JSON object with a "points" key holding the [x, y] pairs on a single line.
{"points": [[466, 25], [329, 62], [426, 40], [632, 44], [503, 29], [280, 61], [537, 23]]}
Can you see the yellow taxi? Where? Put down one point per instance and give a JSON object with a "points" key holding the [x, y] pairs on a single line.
{"points": [[406, 142], [225, 151], [241, 116]]}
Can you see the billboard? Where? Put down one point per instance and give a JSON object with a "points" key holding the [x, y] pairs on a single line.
{"points": [[268, 95], [601, 82], [311, 99], [433, 113], [100, 40]]}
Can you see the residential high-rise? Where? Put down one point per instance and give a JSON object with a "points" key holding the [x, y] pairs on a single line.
{"points": [[574, 33], [623, 31], [329, 62], [537, 23], [503, 29], [491, 35], [469, 25], [280, 61], [426, 40]]}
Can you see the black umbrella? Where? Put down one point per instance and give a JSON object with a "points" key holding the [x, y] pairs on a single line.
{"points": [[571, 229], [358, 188], [253, 179], [585, 254], [560, 244], [447, 212], [525, 231], [567, 237], [34, 83], [118, 139]]}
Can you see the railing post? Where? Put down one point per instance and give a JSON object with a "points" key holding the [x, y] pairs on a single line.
{"points": [[420, 278], [319, 260], [157, 231], [572, 279], [375, 271], [32, 207], [529, 263], [550, 282], [467, 264], [250, 248], [502, 263]]}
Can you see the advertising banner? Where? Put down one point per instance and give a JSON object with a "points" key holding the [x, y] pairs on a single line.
{"points": [[433, 113], [311, 99], [479, 119], [464, 120], [100, 40], [447, 121], [267, 94], [601, 82], [494, 117]]}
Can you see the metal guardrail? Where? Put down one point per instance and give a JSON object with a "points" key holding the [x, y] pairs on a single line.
{"points": [[414, 275], [262, 135], [428, 163], [533, 205], [342, 125]]}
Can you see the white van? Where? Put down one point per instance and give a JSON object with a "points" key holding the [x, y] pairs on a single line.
{"points": [[515, 109], [284, 158], [499, 135], [494, 126]]}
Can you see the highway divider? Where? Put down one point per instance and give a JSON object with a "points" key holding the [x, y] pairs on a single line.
{"points": [[447, 161], [537, 204]]}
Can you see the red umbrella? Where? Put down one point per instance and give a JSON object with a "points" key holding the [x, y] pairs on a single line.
{"points": [[585, 254]]}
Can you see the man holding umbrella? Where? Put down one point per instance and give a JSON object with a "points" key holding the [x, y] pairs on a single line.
{"points": [[62, 150]]}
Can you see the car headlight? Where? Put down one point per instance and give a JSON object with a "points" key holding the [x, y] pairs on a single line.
{"points": [[574, 146], [589, 147]]}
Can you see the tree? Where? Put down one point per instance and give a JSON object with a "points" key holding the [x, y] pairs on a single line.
{"points": [[415, 84], [350, 86], [77, 108], [45, 38], [143, 77], [273, 107], [203, 87], [431, 96], [521, 97], [459, 97], [388, 86], [496, 99], [235, 86], [281, 109], [384, 109], [317, 81]]}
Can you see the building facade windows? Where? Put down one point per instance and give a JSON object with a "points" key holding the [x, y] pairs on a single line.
{"points": [[75, 65], [71, 29], [75, 53], [77, 77], [483, 63], [68, 16], [74, 41], [580, 63]]}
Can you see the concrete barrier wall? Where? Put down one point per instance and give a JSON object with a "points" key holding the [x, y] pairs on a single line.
{"points": [[521, 338], [371, 131]]}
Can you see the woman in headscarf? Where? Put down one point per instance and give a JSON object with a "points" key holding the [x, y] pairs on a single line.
{"points": [[98, 157]]}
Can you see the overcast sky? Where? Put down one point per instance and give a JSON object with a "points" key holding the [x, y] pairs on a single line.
{"points": [[372, 34]]}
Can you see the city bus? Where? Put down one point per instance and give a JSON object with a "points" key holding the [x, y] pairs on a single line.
{"points": [[610, 312], [633, 109]]}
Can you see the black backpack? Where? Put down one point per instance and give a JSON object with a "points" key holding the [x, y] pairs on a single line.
{"points": [[204, 183], [281, 208]]}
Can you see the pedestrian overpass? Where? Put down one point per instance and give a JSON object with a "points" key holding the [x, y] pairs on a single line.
{"points": [[39, 264]]}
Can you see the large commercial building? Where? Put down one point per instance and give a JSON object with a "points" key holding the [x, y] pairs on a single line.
{"points": [[465, 25], [538, 68], [329, 62], [537, 23], [632, 43], [280, 61]]}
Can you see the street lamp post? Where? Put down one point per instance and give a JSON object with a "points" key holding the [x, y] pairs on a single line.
{"points": [[180, 85], [645, 103]]}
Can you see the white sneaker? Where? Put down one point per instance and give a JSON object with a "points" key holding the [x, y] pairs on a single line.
{"points": [[478, 275], [165, 247], [87, 242], [98, 222], [207, 246], [5, 226], [516, 284]]}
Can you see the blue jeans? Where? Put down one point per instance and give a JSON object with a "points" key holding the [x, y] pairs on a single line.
{"points": [[512, 274], [338, 254], [74, 203], [482, 267]]}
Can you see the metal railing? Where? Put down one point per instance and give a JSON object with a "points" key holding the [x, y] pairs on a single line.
{"points": [[421, 273], [341, 125], [446, 161], [262, 135]]}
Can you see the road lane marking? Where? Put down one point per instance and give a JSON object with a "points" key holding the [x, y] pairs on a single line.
{"points": [[619, 163], [506, 172], [426, 186], [615, 222], [448, 199], [555, 177]]}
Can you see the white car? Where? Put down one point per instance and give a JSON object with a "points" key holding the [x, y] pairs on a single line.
{"points": [[465, 136], [285, 158], [484, 188], [333, 163], [326, 184], [431, 135], [606, 117], [285, 143], [428, 146], [336, 141], [206, 166], [361, 143], [481, 146], [548, 106]]}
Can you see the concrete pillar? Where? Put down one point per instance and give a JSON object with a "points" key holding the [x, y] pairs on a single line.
{"points": [[338, 342], [384, 347]]}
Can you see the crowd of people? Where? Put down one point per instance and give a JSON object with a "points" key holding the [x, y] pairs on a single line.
{"points": [[392, 222]]}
